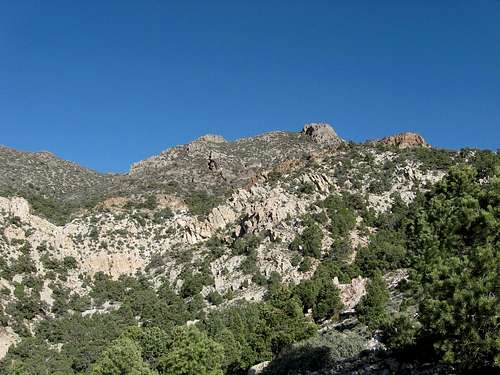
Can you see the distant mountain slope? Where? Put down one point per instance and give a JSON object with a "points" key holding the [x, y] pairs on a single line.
{"points": [[214, 164], [45, 174]]}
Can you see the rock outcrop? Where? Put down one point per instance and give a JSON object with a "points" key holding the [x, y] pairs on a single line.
{"points": [[351, 294], [258, 369], [403, 140], [7, 338], [259, 208], [322, 133], [215, 138]]}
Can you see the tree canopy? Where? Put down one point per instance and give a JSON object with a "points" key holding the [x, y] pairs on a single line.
{"points": [[454, 245]]}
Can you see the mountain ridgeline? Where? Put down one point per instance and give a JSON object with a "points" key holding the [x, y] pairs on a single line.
{"points": [[284, 253]]}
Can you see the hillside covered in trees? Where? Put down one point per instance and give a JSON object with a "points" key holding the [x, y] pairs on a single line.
{"points": [[215, 259]]}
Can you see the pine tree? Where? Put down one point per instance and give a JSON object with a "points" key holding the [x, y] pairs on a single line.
{"points": [[123, 357], [372, 309], [454, 241], [192, 353]]}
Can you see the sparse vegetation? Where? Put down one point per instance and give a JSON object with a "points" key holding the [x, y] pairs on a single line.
{"points": [[200, 203]]}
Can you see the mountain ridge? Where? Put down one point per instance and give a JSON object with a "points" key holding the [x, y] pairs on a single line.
{"points": [[216, 138]]}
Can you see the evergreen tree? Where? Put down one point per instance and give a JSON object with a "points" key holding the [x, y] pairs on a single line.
{"points": [[454, 242], [192, 353], [123, 357], [372, 309], [310, 240]]}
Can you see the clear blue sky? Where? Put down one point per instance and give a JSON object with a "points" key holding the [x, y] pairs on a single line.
{"points": [[105, 83]]}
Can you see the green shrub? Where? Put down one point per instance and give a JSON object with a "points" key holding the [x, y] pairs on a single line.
{"points": [[254, 333], [24, 264], [332, 268], [200, 203], [192, 285], [305, 265], [343, 218], [154, 343], [259, 279], [34, 356], [192, 352], [310, 240], [400, 332], [320, 295], [216, 247], [386, 251], [328, 304], [306, 188], [380, 184], [123, 357], [246, 245], [316, 354], [372, 309], [296, 260], [215, 298], [249, 265]]}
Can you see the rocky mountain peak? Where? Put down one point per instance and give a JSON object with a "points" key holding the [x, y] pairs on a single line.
{"points": [[214, 138], [322, 133], [407, 139]]}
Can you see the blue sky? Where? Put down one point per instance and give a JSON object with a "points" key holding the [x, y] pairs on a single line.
{"points": [[105, 83]]}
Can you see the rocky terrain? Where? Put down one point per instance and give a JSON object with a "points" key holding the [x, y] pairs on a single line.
{"points": [[404, 140], [227, 211]]}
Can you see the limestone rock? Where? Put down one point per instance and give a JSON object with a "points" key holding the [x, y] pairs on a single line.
{"points": [[215, 138], [170, 201], [320, 181], [351, 294], [258, 369], [260, 208], [214, 160], [7, 338], [322, 133], [113, 203], [16, 206], [404, 140]]}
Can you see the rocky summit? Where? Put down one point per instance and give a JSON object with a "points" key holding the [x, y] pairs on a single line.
{"points": [[407, 139], [283, 253], [322, 133]]}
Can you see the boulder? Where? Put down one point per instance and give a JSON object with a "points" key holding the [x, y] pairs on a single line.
{"points": [[351, 294], [258, 369]]}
